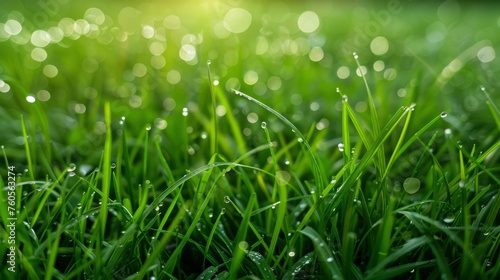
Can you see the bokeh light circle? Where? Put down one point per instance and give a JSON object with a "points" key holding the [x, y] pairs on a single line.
{"points": [[237, 20]]}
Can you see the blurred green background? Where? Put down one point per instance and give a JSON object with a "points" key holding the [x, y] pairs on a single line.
{"points": [[60, 60]]}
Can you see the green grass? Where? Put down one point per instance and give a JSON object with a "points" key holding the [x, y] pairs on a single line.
{"points": [[223, 174]]}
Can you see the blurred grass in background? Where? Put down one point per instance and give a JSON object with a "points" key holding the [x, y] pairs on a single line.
{"points": [[150, 59]]}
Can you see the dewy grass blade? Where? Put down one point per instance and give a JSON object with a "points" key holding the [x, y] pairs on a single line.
{"points": [[212, 232], [240, 244], [280, 218], [345, 146], [409, 246], [214, 146], [315, 166], [373, 114], [28, 150], [160, 246], [233, 123], [106, 172], [329, 262]]}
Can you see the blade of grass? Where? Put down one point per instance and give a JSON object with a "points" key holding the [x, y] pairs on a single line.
{"points": [[240, 245], [159, 247], [316, 169], [28, 150], [330, 264]]}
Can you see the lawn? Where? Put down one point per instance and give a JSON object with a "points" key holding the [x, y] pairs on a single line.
{"points": [[234, 139]]}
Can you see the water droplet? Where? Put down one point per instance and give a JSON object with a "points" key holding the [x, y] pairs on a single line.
{"points": [[300, 140], [341, 147], [411, 185], [483, 88], [71, 167], [113, 165], [330, 259], [345, 98], [355, 55], [447, 131], [227, 199], [71, 174], [148, 128], [338, 89], [263, 125], [185, 111], [459, 144], [243, 245], [287, 162], [449, 218], [123, 118], [209, 62], [291, 254], [444, 115], [411, 107], [461, 184], [79, 206], [223, 211]]}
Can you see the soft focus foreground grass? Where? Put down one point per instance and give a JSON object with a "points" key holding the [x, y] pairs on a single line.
{"points": [[134, 162]]}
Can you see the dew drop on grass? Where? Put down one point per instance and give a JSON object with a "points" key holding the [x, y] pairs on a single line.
{"points": [[355, 55], [243, 245], [148, 128], [185, 111], [345, 98], [444, 115], [291, 254], [227, 199], [71, 174], [223, 211], [71, 167], [300, 140], [449, 218], [263, 125], [330, 259], [447, 131], [113, 165], [459, 144], [341, 147], [411, 185]]}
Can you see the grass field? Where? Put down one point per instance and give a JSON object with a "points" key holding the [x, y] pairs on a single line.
{"points": [[235, 139]]}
